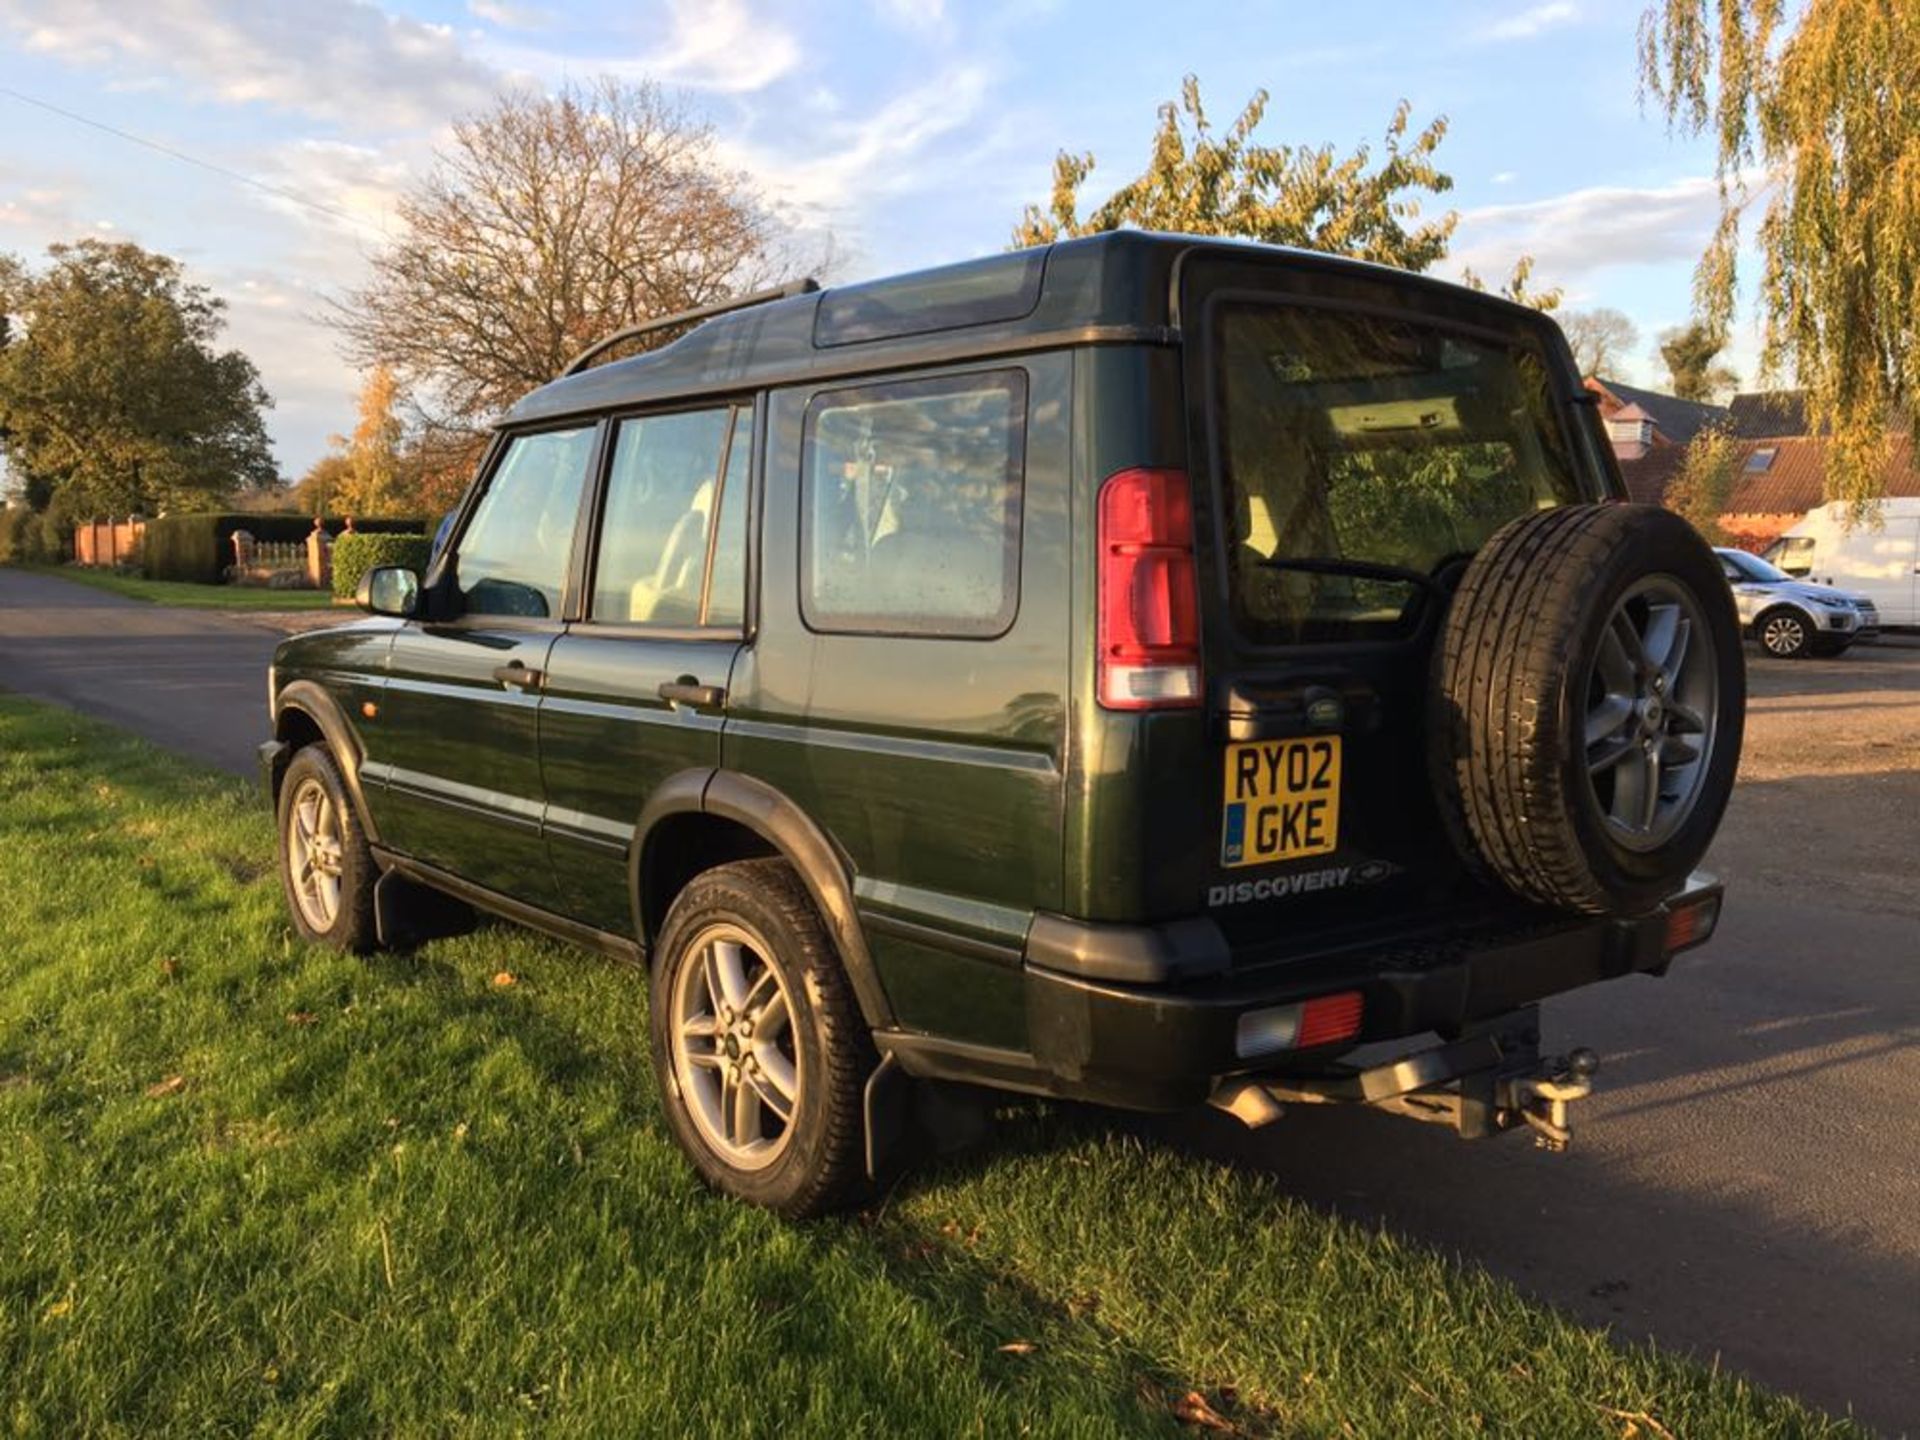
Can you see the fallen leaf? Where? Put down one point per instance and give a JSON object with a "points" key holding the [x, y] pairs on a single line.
{"points": [[1192, 1409], [1018, 1347], [301, 1017], [166, 1086], [59, 1310], [503, 979], [460, 1131], [170, 969]]}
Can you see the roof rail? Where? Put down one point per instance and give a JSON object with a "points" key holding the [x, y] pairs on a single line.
{"points": [[688, 317]]}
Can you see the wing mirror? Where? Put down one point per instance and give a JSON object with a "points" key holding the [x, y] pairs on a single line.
{"points": [[389, 590]]}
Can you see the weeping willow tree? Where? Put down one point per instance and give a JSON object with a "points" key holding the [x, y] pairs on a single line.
{"points": [[1820, 120]]}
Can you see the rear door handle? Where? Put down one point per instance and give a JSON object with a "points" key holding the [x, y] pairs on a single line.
{"points": [[518, 673], [689, 691]]}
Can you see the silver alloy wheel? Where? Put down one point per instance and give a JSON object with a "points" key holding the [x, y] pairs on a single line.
{"points": [[1784, 634], [735, 1054], [1652, 713], [316, 854]]}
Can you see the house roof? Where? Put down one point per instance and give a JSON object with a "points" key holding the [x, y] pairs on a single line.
{"points": [[1648, 476], [1793, 481], [1679, 420], [1758, 414]]}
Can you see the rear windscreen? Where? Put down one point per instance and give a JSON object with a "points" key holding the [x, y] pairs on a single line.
{"points": [[1358, 448]]}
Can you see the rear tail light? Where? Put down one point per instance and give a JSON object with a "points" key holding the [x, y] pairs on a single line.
{"points": [[1319, 1021], [1149, 613]]}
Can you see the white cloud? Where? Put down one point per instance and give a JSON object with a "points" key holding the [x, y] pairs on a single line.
{"points": [[1504, 177], [851, 162], [1574, 235], [722, 45], [336, 60], [510, 17], [1527, 23], [914, 14]]}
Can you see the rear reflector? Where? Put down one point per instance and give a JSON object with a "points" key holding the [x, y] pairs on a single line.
{"points": [[1319, 1021], [1328, 1018], [1149, 613], [1692, 925]]}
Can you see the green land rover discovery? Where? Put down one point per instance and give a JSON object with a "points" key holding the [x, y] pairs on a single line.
{"points": [[1145, 670]]}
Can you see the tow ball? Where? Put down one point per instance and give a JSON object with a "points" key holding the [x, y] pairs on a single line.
{"points": [[1481, 1084], [1541, 1101]]}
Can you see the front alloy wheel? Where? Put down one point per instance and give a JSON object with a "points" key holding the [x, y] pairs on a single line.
{"points": [[326, 868], [1784, 635], [315, 854]]}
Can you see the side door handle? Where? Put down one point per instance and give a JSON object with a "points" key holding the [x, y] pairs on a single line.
{"points": [[689, 691], [519, 674]]}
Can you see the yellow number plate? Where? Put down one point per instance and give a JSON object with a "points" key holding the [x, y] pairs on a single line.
{"points": [[1282, 801]]}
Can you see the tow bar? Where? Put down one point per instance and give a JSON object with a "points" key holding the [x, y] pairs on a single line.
{"points": [[1490, 1080]]}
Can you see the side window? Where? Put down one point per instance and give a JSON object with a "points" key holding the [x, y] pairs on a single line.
{"points": [[670, 507], [512, 558], [910, 506], [727, 589]]}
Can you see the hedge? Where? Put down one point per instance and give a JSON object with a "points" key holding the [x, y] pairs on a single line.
{"points": [[200, 547], [357, 553]]}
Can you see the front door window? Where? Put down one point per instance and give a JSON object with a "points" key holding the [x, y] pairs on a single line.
{"points": [[512, 560]]}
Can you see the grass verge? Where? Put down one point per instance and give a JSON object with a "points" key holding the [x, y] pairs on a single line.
{"points": [[188, 595], [246, 1185]]}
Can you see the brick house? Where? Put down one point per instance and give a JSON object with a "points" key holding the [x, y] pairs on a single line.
{"points": [[1782, 467], [1641, 422]]}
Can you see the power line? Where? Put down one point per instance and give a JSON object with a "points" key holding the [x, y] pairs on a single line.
{"points": [[181, 155]]}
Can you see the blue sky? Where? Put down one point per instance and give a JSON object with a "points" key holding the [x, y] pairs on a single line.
{"points": [[911, 131]]}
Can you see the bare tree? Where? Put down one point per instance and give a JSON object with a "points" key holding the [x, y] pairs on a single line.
{"points": [[1600, 338], [547, 223]]}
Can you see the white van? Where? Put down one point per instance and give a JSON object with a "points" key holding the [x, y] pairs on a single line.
{"points": [[1880, 561]]}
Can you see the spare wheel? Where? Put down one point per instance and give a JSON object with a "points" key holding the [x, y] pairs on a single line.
{"points": [[1588, 700]]}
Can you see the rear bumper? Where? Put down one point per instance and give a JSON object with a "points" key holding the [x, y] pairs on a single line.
{"points": [[1167, 1045]]}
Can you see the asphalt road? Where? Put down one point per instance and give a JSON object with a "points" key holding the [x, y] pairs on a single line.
{"points": [[1746, 1182], [193, 680]]}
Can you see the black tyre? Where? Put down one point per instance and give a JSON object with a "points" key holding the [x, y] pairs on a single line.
{"points": [[759, 1046], [1784, 633], [1589, 697], [326, 870]]}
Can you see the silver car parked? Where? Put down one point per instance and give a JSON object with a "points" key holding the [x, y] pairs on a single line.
{"points": [[1794, 618]]}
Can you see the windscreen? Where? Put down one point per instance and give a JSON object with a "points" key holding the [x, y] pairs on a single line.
{"points": [[1363, 452]]}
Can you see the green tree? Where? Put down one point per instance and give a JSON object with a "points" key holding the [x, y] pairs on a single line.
{"points": [[1201, 182], [1519, 286], [1692, 354], [1699, 491], [112, 395], [318, 491], [1825, 112]]}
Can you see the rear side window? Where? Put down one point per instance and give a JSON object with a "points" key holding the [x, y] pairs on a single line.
{"points": [[910, 506], [513, 554], [674, 517], [1356, 445]]}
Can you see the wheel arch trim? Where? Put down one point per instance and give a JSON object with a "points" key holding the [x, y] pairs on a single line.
{"points": [[304, 697], [795, 837]]}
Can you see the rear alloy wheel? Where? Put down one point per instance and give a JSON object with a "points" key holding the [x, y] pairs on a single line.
{"points": [[1785, 634], [759, 1047]]}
